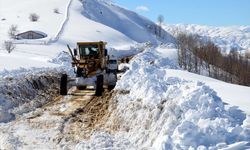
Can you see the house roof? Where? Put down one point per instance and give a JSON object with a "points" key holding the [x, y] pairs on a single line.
{"points": [[34, 31]]}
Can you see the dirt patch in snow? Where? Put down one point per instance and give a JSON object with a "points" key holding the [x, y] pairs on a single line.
{"points": [[83, 122]]}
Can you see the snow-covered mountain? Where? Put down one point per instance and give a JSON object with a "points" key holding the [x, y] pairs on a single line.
{"points": [[225, 37], [127, 22]]}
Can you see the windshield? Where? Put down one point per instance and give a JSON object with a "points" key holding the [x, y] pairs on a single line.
{"points": [[88, 50]]}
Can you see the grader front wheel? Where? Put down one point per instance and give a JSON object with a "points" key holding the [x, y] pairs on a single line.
{"points": [[99, 85]]}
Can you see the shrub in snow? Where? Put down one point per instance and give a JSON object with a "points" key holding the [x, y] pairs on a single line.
{"points": [[9, 46], [56, 10], [33, 17], [13, 31], [160, 20], [247, 55]]}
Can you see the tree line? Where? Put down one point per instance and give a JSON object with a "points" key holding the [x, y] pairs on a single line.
{"points": [[203, 57]]}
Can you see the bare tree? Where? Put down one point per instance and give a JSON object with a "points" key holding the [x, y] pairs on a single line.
{"points": [[9, 46], [153, 28], [247, 54], [194, 53], [160, 20], [33, 17], [56, 10], [13, 31]]}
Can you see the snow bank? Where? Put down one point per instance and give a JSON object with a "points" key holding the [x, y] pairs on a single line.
{"points": [[156, 111], [131, 51], [23, 90], [63, 59], [32, 90], [147, 75], [103, 141]]}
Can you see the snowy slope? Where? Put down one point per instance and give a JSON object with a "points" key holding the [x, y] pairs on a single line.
{"points": [[131, 24], [49, 22], [80, 28], [224, 37], [70, 25], [17, 13]]}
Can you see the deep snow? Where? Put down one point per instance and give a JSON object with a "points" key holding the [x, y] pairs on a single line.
{"points": [[159, 110]]}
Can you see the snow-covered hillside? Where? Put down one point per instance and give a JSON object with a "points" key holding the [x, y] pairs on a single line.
{"points": [[14, 12], [127, 22], [225, 37], [73, 23]]}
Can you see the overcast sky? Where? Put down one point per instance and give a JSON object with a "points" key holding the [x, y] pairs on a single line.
{"points": [[205, 12]]}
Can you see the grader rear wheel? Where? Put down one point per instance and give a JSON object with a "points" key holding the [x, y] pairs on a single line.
{"points": [[111, 87], [63, 84]]}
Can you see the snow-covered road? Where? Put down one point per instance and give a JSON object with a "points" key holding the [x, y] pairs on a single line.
{"points": [[61, 123]]}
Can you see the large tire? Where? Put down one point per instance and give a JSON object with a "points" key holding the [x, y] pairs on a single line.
{"points": [[63, 84], [79, 72], [99, 85], [111, 87]]}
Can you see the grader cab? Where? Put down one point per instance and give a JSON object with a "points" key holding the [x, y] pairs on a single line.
{"points": [[90, 63]]}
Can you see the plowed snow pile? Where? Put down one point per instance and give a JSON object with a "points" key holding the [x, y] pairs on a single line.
{"points": [[156, 111], [25, 93], [23, 90]]}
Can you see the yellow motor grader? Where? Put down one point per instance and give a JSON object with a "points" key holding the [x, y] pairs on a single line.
{"points": [[91, 65]]}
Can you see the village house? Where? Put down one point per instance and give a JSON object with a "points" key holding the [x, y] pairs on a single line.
{"points": [[31, 35]]}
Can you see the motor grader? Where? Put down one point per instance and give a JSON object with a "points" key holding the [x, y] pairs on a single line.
{"points": [[90, 62]]}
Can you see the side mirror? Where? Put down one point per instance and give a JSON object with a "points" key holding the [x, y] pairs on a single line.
{"points": [[75, 52], [105, 52]]}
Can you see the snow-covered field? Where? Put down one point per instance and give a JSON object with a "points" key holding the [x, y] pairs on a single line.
{"points": [[225, 37], [156, 104]]}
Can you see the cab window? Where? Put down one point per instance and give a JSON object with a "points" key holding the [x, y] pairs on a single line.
{"points": [[88, 50]]}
